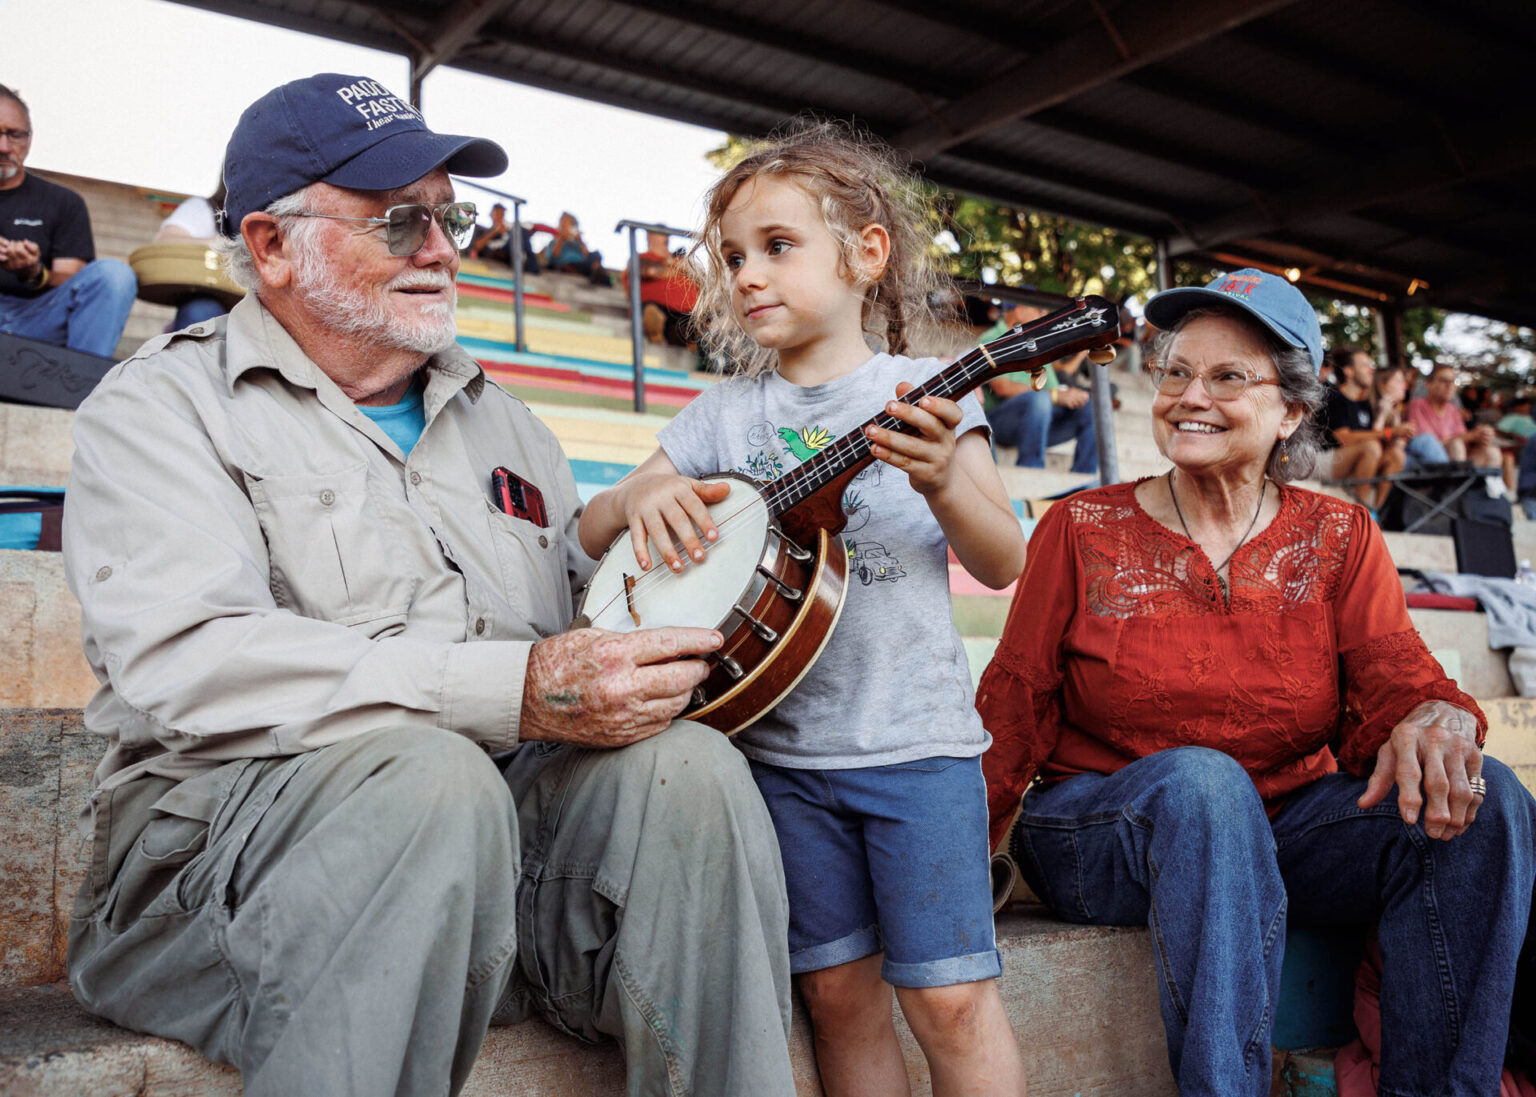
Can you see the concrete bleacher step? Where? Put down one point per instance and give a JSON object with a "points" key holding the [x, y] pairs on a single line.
{"points": [[35, 445], [1082, 999]]}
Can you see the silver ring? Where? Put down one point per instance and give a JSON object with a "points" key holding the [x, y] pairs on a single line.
{"points": [[1478, 785]]}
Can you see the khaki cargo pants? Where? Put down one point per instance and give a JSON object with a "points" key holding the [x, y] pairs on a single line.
{"points": [[349, 921]]}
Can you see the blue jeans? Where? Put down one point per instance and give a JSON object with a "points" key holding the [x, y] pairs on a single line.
{"points": [[1426, 449], [1179, 840], [887, 859], [1031, 422], [194, 310], [86, 313]]}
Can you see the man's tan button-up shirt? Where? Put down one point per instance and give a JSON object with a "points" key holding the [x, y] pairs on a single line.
{"points": [[262, 571]]}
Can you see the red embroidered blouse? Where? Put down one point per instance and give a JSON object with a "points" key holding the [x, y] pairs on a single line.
{"points": [[1120, 644]]}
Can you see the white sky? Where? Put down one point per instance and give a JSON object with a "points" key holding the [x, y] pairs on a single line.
{"points": [[146, 92]]}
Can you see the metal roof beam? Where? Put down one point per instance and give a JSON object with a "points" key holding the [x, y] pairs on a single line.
{"points": [[457, 28], [1486, 150], [1087, 59]]}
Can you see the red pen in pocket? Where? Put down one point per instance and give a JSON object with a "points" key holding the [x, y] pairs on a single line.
{"points": [[518, 497]]}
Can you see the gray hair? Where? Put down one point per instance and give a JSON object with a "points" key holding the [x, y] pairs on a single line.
{"points": [[1298, 456], [236, 257]]}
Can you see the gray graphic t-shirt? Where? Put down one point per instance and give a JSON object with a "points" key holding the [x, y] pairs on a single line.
{"points": [[893, 684]]}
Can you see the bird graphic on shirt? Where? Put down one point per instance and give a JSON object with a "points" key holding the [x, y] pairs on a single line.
{"points": [[807, 442]]}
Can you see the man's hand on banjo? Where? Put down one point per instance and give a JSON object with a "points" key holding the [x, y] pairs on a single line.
{"points": [[595, 688]]}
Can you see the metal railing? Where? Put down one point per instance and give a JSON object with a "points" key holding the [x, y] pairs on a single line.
{"points": [[636, 327], [516, 256]]}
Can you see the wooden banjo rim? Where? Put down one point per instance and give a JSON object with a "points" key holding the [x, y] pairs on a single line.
{"points": [[825, 542]]}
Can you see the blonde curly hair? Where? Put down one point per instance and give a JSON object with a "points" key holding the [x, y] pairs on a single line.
{"points": [[856, 181]]}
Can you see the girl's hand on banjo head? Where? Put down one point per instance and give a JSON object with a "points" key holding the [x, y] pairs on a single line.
{"points": [[667, 509], [601, 689]]}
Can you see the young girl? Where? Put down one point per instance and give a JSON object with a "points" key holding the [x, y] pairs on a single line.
{"points": [[871, 766]]}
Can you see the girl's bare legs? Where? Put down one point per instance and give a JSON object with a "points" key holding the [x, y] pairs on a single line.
{"points": [[856, 1049], [965, 1035]]}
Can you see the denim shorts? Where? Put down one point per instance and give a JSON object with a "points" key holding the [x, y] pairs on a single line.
{"points": [[888, 858]]}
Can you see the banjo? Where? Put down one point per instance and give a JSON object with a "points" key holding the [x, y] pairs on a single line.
{"points": [[774, 581]]}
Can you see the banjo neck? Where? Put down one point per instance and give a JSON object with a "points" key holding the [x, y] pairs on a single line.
{"points": [[810, 497]]}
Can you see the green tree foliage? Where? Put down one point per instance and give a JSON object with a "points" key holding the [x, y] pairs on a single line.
{"points": [[991, 243]]}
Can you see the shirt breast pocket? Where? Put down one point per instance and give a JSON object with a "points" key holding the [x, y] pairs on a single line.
{"points": [[533, 575], [328, 543]]}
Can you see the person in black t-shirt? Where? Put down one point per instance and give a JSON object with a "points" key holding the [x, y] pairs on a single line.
{"points": [[52, 287], [1361, 445]]}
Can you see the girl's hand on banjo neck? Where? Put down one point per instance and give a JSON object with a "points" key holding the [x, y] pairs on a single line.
{"points": [[601, 689]]}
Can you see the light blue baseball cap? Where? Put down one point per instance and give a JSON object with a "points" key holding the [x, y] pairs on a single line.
{"points": [[1270, 298]]}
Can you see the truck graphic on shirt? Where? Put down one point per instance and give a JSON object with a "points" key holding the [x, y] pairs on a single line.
{"points": [[872, 564]]}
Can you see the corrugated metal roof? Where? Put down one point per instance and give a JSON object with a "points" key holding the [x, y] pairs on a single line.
{"points": [[1370, 142]]}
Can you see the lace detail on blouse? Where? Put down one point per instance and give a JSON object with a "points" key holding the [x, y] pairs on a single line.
{"points": [[1135, 567]]}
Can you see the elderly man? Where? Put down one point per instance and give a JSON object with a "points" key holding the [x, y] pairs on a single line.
{"points": [[52, 287], [364, 794]]}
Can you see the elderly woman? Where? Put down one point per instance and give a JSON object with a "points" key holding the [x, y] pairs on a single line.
{"points": [[1189, 663]]}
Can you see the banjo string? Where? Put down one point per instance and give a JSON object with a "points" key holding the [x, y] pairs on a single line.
{"points": [[662, 575]]}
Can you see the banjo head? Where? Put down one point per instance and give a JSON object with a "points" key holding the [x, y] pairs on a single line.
{"points": [[702, 595]]}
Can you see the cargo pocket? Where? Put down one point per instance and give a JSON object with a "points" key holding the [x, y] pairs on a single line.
{"points": [[146, 885]]}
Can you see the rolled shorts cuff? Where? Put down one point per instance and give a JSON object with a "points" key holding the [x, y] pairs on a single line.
{"points": [[942, 973], [855, 946]]}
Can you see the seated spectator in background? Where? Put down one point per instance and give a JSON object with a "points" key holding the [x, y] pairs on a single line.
{"points": [[667, 294], [193, 221], [1032, 420], [569, 252], [52, 286], [495, 242], [1517, 416], [1436, 413], [1361, 447], [1391, 401]]}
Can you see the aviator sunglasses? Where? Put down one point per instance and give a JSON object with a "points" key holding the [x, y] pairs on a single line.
{"points": [[406, 227]]}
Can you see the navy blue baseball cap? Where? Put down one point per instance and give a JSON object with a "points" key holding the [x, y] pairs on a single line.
{"points": [[1269, 298], [348, 131]]}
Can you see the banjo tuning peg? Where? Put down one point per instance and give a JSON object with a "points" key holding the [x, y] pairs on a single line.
{"points": [[1037, 382], [1102, 356]]}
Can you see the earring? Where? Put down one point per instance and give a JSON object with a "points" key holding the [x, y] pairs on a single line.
{"points": [[1284, 456]]}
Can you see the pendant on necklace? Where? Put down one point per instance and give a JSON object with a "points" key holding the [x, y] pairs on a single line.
{"points": [[1226, 595]]}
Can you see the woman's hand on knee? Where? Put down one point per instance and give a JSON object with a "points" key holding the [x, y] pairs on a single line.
{"points": [[1432, 757]]}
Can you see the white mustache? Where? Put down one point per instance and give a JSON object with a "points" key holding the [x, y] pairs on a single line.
{"points": [[422, 279]]}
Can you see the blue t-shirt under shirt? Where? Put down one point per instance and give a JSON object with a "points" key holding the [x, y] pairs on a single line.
{"points": [[403, 422]]}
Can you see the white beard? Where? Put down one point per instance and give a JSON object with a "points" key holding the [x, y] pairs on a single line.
{"points": [[352, 311]]}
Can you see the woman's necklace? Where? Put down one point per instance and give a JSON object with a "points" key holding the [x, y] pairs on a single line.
{"points": [[1226, 593]]}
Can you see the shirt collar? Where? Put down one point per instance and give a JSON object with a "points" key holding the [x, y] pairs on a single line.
{"points": [[255, 340]]}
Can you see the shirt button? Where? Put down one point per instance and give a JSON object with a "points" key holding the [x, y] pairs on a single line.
{"points": [[415, 477], [480, 627], [543, 541], [327, 497], [103, 574]]}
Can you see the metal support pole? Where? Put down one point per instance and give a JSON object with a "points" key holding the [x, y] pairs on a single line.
{"points": [[1164, 264], [1389, 334], [520, 342], [517, 274], [636, 328], [1104, 425], [636, 325]]}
